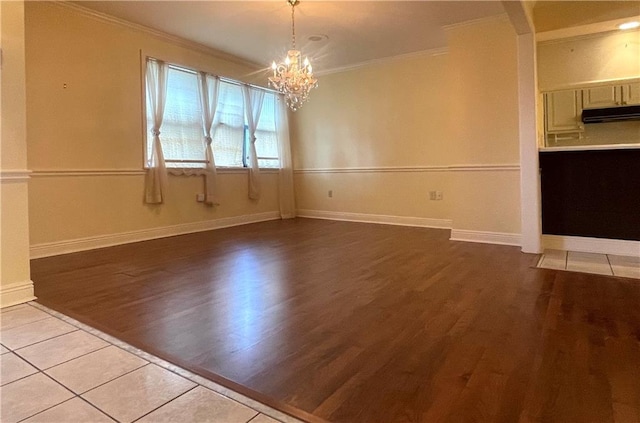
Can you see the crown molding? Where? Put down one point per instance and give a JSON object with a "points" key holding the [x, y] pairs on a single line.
{"points": [[183, 42], [422, 53], [502, 17]]}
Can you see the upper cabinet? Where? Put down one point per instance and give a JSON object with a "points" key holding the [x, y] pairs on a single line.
{"points": [[563, 111], [611, 96], [631, 93], [596, 97]]}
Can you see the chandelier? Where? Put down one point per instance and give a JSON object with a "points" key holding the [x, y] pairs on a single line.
{"points": [[293, 77]]}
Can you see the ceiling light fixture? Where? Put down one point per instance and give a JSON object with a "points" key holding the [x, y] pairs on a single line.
{"points": [[293, 78], [629, 25]]}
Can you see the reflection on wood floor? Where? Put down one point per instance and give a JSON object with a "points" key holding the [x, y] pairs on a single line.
{"points": [[351, 322]]}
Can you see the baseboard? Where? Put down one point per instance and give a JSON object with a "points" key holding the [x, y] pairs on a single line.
{"points": [[617, 247], [16, 293], [421, 222], [501, 238], [82, 244]]}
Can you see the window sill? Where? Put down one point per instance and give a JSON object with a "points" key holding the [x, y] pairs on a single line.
{"points": [[222, 170]]}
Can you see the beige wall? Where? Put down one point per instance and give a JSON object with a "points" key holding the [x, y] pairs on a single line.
{"points": [[427, 112], [569, 62], [15, 283], [484, 104], [404, 194], [386, 117], [96, 124], [390, 114]]}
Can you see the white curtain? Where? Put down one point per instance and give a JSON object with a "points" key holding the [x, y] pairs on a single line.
{"points": [[252, 108], [156, 178], [208, 92], [285, 181]]}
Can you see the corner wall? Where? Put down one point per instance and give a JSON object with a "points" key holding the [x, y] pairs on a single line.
{"points": [[85, 137], [374, 136], [383, 136], [484, 106], [15, 283]]}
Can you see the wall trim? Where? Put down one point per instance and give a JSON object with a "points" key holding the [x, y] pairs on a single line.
{"points": [[500, 17], [183, 42], [15, 175], [416, 169], [421, 222], [86, 172], [49, 173], [592, 147], [16, 293], [484, 167], [592, 245], [406, 56], [48, 249], [382, 169], [501, 238]]}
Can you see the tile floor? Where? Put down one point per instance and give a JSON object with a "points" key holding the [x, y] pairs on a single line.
{"points": [[603, 264], [55, 369]]}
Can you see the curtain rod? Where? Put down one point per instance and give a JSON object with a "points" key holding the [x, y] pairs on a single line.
{"points": [[222, 78]]}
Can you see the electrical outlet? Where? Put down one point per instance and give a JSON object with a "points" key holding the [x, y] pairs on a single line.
{"points": [[438, 195], [200, 198], [330, 193], [432, 195]]}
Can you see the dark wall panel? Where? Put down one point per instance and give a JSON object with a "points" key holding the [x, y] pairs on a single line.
{"points": [[591, 193]]}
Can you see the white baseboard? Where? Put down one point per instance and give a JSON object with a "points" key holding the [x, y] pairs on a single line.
{"points": [[16, 293], [82, 244], [501, 238], [617, 247], [421, 222]]}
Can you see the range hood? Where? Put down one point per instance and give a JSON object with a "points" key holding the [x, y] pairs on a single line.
{"points": [[611, 114]]}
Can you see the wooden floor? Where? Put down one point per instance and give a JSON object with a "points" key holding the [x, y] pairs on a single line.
{"points": [[351, 322]]}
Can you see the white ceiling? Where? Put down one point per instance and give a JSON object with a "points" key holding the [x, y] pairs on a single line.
{"points": [[260, 31]]}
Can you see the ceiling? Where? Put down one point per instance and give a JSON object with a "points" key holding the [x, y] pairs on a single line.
{"points": [[551, 15], [351, 32]]}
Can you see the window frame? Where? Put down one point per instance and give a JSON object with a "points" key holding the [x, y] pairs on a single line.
{"points": [[219, 169]]}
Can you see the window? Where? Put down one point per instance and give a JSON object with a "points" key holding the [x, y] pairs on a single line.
{"points": [[181, 131], [266, 139], [229, 136]]}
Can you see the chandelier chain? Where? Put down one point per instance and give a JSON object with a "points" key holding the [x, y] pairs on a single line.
{"points": [[293, 25]]}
